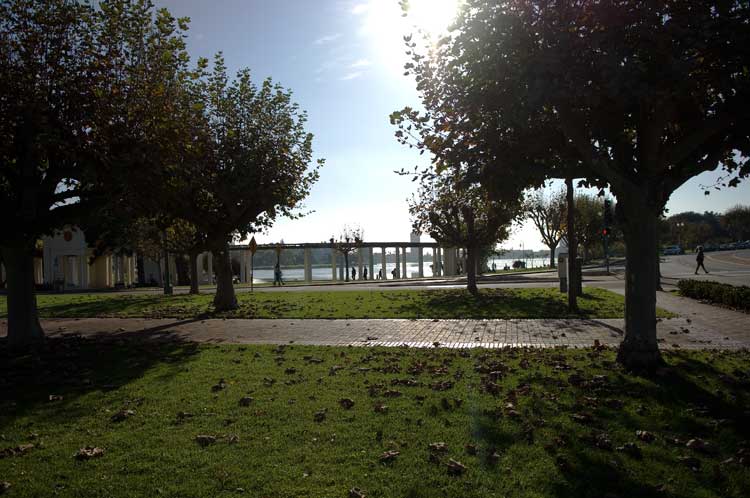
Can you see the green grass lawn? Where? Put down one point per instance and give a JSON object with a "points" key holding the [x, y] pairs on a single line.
{"points": [[453, 303], [521, 423]]}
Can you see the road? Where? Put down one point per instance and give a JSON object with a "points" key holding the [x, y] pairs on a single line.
{"points": [[730, 267]]}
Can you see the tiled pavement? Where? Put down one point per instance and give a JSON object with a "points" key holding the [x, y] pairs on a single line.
{"points": [[673, 333]]}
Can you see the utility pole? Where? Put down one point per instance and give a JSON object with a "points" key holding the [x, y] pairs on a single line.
{"points": [[167, 277], [606, 229]]}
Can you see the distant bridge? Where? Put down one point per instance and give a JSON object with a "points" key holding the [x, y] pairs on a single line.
{"points": [[444, 259]]}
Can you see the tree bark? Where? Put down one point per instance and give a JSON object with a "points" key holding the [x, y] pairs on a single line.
{"points": [[225, 298], [194, 274], [572, 249], [24, 329], [552, 250], [346, 266], [471, 270], [639, 350]]}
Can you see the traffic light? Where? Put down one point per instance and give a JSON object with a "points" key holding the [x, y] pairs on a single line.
{"points": [[607, 213]]}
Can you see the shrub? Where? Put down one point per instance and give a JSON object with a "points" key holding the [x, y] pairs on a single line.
{"points": [[737, 297]]}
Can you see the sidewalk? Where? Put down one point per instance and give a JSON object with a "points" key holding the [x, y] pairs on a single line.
{"points": [[684, 332]]}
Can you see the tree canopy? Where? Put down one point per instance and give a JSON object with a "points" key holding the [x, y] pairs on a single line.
{"points": [[637, 95]]}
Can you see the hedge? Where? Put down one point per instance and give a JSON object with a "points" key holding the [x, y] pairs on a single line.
{"points": [[737, 297]]}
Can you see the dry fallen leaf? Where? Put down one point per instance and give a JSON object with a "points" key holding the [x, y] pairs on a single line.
{"points": [[381, 408], [645, 436], [122, 415], [389, 456], [89, 452], [205, 440], [356, 493], [439, 447], [346, 403], [455, 468], [17, 451], [698, 444], [221, 385]]}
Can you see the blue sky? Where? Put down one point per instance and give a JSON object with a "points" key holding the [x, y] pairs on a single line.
{"points": [[343, 61]]}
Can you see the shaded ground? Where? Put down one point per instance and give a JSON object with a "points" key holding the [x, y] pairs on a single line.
{"points": [[445, 303], [538, 422]]}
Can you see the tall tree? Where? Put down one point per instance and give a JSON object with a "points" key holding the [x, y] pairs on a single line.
{"points": [[258, 167], [457, 212], [647, 93], [348, 241], [74, 83], [547, 212], [736, 221]]}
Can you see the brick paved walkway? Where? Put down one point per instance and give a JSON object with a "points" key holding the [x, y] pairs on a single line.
{"points": [[673, 333]]}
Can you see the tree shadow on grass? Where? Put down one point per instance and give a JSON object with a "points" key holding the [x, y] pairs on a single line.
{"points": [[72, 366], [85, 306], [499, 303]]}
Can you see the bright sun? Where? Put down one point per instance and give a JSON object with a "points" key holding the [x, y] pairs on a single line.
{"points": [[386, 26], [432, 16]]}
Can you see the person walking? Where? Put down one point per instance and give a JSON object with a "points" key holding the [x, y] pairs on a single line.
{"points": [[277, 276], [380, 274], [364, 274], [354, 273], [699, 257]]}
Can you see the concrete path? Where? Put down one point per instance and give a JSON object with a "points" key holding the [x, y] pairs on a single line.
{"points": [[673, 333]]}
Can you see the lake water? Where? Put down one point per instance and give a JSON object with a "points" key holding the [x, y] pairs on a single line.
{"points": [[412, 269]]}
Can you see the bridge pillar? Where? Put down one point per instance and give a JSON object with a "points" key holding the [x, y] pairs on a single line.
{"points": [[308, 265], [333, 264], [371, 267], [420, 260], [384, 262], [360, 263], [243, 267], [210, 268], [398, 262], [403, 265], [450, 261]]}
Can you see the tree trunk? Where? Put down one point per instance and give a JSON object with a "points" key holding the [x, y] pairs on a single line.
{"points": [[639, 350], [471, 270], [346, 266], [658, 267], [552, 250], [471, 252], [194, 274], [572, 249], [24, 329], [225, 298]]}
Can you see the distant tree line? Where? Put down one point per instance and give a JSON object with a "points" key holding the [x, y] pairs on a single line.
{"points": [[690, 229]]}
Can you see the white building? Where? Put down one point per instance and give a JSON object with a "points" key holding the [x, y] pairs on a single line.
{"points": [[66, 263]]}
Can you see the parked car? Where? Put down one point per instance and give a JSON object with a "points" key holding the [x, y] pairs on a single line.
{"points": [[672, 250]]}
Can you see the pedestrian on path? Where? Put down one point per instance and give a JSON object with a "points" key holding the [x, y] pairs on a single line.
{"points": [[277, 275], [364, 274], [699, 259], [354, 273]]}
